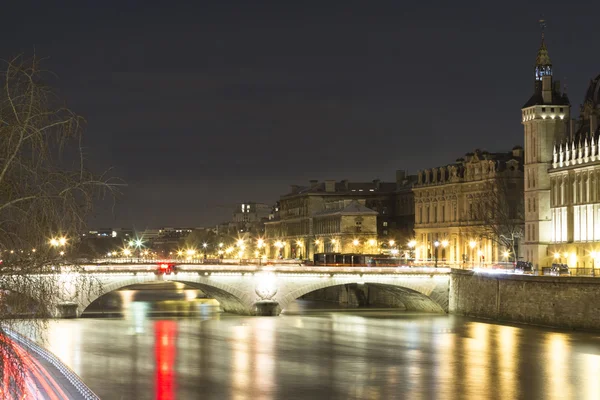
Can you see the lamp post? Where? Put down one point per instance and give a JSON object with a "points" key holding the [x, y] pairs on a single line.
{"points": [[260, 243], [436, 244], [411, 245], [444, 245], [472, 245], [593, 254]]}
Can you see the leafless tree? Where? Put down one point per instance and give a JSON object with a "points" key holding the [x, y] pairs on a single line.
{"points": [[46, 191], [499, 213]]}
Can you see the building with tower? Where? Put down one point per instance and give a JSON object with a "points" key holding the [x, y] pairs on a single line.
{"points": [[545, 118], [575, 189]]}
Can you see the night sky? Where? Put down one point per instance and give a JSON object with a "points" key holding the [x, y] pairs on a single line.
{"points": [[199, 105]]}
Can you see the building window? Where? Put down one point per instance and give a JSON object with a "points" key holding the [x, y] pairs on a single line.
{"points": [[385, 223]]}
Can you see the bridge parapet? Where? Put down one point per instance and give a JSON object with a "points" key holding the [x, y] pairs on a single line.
{"points": [[260, 290]]}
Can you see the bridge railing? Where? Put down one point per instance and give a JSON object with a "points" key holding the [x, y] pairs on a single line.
{"points": [[216, 268]]}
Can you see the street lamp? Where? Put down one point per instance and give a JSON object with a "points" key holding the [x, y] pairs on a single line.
{"points": [[411, 245], [436, 244], [594, 255], [472, 245]]}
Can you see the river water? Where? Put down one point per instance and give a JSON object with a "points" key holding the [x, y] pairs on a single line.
{"points": [[137, 347]]}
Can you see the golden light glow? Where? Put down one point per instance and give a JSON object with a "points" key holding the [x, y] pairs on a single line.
{"points": [[126, 252], [506, 254], [333, 240], [556, 256], [240, 242], [355, 242], [412, 243], [229, 250], [392, 242], [260, 243], [372, 242], [444, 243], [299, 243], [317, 241]]}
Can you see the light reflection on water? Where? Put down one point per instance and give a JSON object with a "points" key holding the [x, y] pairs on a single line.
{"points": [[323, 355]]}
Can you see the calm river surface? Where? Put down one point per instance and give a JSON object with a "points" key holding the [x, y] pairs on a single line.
{"points": [[153, 351]]}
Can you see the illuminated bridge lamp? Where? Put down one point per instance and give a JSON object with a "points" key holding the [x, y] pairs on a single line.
{"points": [[355, 242], [372, 242], [556, 256], [412, 243]]}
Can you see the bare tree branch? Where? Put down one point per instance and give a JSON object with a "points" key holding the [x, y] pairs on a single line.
{"points": [[46, 191], [499, 213]]}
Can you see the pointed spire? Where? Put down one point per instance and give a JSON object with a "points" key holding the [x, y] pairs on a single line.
{"points": [[543, 64]]}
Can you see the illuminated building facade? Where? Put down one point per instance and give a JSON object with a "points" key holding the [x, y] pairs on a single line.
{"points": [[341, 217], [574, 178], [448, 200]]}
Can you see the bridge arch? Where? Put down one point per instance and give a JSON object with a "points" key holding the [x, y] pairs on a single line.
{"points": [[230, 298], [427, 294]]}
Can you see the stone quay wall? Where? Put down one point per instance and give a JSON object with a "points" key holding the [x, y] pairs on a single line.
{"points": [[563, 302]]}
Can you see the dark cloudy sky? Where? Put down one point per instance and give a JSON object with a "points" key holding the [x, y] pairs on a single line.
{"points": [[202, 104]]}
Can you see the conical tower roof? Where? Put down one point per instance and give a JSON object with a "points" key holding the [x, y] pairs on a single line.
{"points": [[543, 58]]}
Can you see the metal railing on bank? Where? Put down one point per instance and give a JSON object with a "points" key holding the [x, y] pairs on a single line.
{"points": [[84, 391]]}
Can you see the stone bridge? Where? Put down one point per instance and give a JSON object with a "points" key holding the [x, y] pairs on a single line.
{"points": [[254, 290]]}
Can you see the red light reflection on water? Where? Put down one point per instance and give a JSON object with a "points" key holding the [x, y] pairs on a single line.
{"points": [[165, 334]]}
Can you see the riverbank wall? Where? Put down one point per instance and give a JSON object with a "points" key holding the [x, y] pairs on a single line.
{"points": [[562, 302]]}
